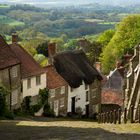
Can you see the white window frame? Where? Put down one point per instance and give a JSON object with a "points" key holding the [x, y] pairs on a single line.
{"points": [[62, 102], [63, 89], [52, 93], [14, 72], [14, 99], [38, 82], [28, 83]]}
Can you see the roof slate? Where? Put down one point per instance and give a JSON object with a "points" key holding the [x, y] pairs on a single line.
{"points": [[29, 67], [54, 80], [7, 56]]}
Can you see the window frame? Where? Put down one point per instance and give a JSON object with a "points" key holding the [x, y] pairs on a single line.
{"points": [[38, 80], [28, 83]]}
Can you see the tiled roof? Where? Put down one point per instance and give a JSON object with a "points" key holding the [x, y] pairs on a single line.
{"points": [[29, 67], [54, 80], [7, 56], [110, 96]]}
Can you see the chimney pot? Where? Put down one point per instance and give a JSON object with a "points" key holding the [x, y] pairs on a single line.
{"points": [[14, 38], [118, 64], [98, 66], [51, 51]]}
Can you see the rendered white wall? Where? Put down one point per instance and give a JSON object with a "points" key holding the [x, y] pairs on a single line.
{"points": [[80, 94], [34, 90]]}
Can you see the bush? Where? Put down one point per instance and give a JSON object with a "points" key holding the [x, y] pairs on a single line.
{"points": [[9, 115], [3, 107], [26, 104], [47, 111], [43, 95]]}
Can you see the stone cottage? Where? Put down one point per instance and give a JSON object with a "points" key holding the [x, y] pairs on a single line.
{"points": [[32, 74], [83, 80], [10, 74], [132, 85], [58, 90]]}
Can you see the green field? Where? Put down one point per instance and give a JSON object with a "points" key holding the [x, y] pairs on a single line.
{"points": [[94, 20], [108, 23], [10, 21], [4, 6]]}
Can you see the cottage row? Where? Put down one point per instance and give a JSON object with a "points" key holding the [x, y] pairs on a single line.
{"points": [[72, 82]]}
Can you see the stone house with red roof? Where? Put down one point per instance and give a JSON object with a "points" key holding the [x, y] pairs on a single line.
{"points": [[73, 83], [33, 76], [58, 91], [10, 74]]}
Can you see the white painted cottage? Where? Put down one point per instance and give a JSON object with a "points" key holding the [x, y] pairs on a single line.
{"points": [[83, 88], [32, 74]]}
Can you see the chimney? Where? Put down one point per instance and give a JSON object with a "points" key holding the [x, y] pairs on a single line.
{"points": [[98, 66], [118, 64], [14, 38], [127, 57], [51, 52]]}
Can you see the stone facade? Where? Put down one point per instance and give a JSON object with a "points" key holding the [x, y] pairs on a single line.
{"points": [[132, 85], [10, 78], [58, 100], [95, 98]]}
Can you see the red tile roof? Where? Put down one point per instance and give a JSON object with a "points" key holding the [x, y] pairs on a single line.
{"points": [[7, 56], [29, 67], [110, 96], [54, 80]]}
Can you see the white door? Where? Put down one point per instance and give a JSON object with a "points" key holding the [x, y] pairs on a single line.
{"points": [[56, 103]]}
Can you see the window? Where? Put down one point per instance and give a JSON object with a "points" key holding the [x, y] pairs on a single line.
{"points": [[38, 80], [56, 104], [87, 96], [62, 89], [14, 72], [52, 93], [51, 105], [86, 86], [28, 83], [14, 99], [61, 102]]}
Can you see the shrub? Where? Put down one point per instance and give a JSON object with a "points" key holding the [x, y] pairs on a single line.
{"points": [[26, 104], [47, 111], [43, 95], [9, 115], [3, 107]]}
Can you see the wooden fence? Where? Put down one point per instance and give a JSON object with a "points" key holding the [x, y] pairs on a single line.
{"points": [[115, 116]]}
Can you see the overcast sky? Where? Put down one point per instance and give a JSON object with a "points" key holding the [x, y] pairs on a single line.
{"points": [[114, 2]]}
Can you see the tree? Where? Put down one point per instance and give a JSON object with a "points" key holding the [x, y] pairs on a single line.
{"points": [[43, 49], [106, 36], [127, 35]]}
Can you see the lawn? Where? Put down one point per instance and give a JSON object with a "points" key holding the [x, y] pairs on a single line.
{"points": [[66, 129]]}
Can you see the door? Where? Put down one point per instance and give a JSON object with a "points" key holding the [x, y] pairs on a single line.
{"points": [[73, 105], [87, 111], [56, 103]]}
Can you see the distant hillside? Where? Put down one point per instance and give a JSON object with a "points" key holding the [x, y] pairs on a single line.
{"points": [[72, 2]]}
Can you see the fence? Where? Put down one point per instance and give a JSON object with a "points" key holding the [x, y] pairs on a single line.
{"points": [[116, 116]]}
